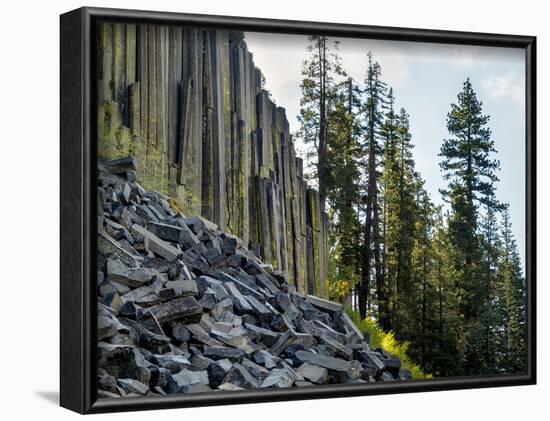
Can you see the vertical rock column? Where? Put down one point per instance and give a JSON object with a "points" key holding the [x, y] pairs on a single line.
{"points": [[189, 103]]}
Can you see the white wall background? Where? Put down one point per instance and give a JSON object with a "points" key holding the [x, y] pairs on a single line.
{"points": [[29, 210]]}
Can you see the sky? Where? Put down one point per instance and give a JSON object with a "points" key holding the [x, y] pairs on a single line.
{"points": [[426, 79]]}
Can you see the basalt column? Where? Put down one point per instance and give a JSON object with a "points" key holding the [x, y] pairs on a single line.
{"points": [[188, 103]]}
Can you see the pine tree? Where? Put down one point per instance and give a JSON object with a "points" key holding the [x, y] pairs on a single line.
{"points": [[343, 195], [445, 361], [513, 356], [373, 111], [471, 172], [418, 294], [489, 319], [399, 207], [319, 89]]}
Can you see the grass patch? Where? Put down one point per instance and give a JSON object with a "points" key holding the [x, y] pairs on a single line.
{"points": [[386, 340]]}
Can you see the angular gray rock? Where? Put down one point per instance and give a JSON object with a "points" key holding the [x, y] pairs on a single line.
{"points": [[186, 308], [313, 373], [239, 376]]}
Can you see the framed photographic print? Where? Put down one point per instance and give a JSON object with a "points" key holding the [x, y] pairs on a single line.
{"points": [[256, 210]]}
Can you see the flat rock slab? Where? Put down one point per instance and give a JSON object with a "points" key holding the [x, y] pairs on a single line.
{"points": [[223, 352], [186, 378], [346, 321], [313, 373], [156, 245], [118, 272], [278, 378], [330, 363], [181, 309], [240, 303], [239, 376], [179, 288], [326, 305]]}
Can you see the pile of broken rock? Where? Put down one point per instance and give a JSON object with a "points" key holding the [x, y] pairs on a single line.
{"points": [[184, 307]]}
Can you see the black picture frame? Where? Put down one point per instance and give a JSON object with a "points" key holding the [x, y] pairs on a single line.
{"points": [[78, 390]]}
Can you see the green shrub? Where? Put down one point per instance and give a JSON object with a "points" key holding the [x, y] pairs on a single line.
{"points": [[387, 341]]}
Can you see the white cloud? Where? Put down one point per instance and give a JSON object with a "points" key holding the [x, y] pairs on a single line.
{"points": [[511, 85]]}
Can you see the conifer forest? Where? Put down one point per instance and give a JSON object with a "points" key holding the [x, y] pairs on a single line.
{"points": [[446, 279], [327, 247]]}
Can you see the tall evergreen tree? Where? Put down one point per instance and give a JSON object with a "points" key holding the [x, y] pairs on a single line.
{"points": [[373, 111], [471, 172], [489, 319], [342, 195], [512, 301], [445, 361], [320, 84], [399, 208]]}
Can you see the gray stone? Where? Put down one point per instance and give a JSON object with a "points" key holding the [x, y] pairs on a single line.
{"points": [[266, 359], [256, 370], [330, 363], [392, 365], [221, 307], [287, 306], [261, 311], [173, 363], [152, 341], [118, 272], [185, 309], [120, 165], [240, 303], [345, 321], [229, 387], [143, 296], [208, 300], [265, 281], [199, 334], [133, 386], [123, 361], [224, 352], [113, 301], [236, 341], [290, 337], [371, 359], [186, 378], [313, 373], [107, 326], [180, 333], [264, 336], [179, 288], [166, 232], [336, 347], [217, 372], [241, 285], [230, 243], [239, 376], [156, 245], [325, 305], [278, 378], [196, 223], [163, 381]]}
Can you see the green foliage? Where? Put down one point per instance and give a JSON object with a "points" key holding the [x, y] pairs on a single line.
{"points": [[372, 270], [443, 291], [379, 338]]}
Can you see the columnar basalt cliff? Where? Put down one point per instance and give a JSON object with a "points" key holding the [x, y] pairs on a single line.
{"points": [[189, 104]]}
